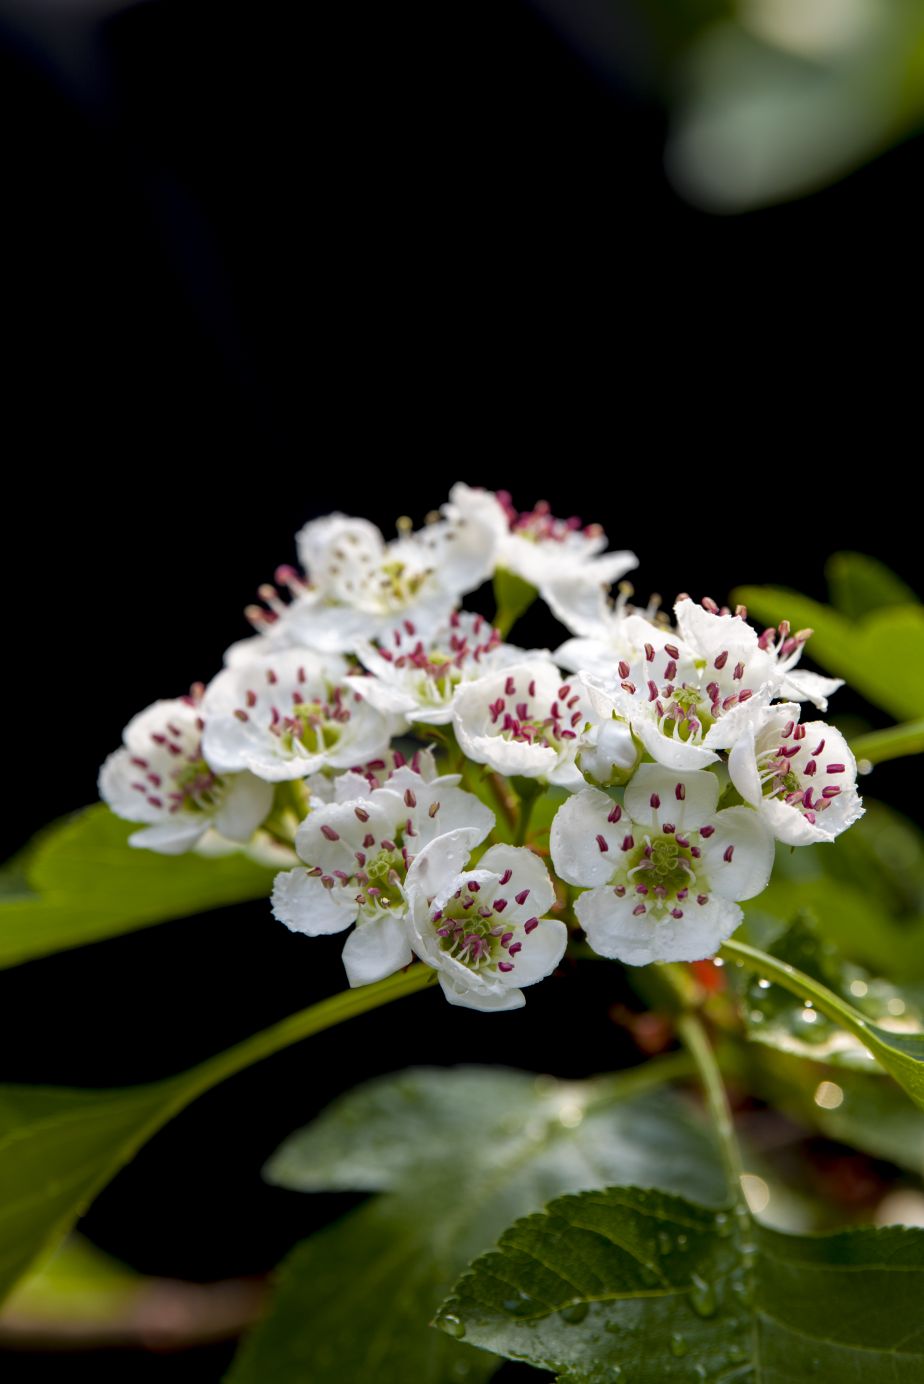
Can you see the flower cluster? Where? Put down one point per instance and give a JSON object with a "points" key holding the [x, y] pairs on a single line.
{"points": [[389, 749]]}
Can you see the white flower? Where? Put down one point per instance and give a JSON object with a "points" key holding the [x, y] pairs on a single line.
{"points": [[160, 777], [359, 850], [562, 558], [682, 703], [724, 641], [358, 587], [525, 720], [288, 714], [483, 929], [662, 872], [801, 778], [420, 679]]}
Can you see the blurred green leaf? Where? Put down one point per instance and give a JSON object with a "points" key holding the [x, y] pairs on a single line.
{"points": [[895, 742], [653, 1288], [881, 655], [789, 97], [856, 1108], [859, 584], [80, 881], [58, 1148], [461, 1152], [78, 1283]]}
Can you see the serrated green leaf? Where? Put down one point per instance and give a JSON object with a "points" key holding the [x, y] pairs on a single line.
{"points": [[881, 655], [463, 1151], [80, 881], [860, 584], [653, 1288]]}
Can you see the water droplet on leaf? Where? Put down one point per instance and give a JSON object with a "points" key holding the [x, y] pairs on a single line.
{"points": [[702, 1297], [574, 1313], [679, 1346], [451, 1325]]}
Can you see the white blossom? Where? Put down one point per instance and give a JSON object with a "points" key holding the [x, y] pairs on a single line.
{"points": [[562, 558], [358, 851], [420, 679], [663, 871], [685, 701], [289, 714], [357, 587], [525, 720], [800, 777], [159, 777], [483, 928]]}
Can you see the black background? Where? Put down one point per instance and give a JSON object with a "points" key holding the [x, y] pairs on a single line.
{"points": [[261, 264]]}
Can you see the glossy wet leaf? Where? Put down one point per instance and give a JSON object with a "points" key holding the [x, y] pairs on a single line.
{"points": [[80, 881], [637, 1284], [881, 655], [463, 1151], [777, 1017]]}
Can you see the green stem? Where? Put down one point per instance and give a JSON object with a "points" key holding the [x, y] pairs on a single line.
{"points": [[528, 791], [307, 1022], [692, 1033], [879, 745]]}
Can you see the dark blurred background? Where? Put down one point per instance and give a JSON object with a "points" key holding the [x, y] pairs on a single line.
{"points": [[264, 262]]}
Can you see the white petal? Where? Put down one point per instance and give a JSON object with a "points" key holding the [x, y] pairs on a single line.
{"points": [[173, 836], [670, 750], [301, 902], [487, 1000], [613, 929], [382, 811], [543, 948], [711, 635], [611, 753], [376, 949], [438, 863], [580, 602], [576, 851], [742, 767], [510, 757], [587, 654], [246, 802], [803, 686], [789, 825], [700, 791], [748, 872], [527, 871]]}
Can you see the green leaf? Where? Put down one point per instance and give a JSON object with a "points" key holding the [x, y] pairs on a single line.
{"points": [[80, 881], [461, 1152], [860, 584], [776, 1017], [856, 1108], [653, 1288], [79, 1283], [881, 655], [902, 1054], [60, 1146]]}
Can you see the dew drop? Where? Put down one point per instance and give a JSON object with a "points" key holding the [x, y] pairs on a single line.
{"points": [[723, 1225], [756, 1017], [681, 1240], [451, 1325], [665, 1243], [679, 1346], [737, 1353], [520, 1306], [763, 984], [574, 1313], [702, 1297]]}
